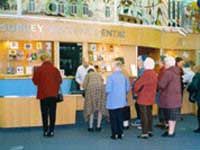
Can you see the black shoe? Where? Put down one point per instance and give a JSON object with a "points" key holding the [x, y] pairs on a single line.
{"points": [[45, 133], [113, 137], [98, 129], [143, 136], [90, 130], [50, 134], [150, 134], [166, 134], [196, 130], [120, 136], [126, 128]]}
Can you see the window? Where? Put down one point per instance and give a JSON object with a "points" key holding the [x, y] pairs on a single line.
{"points": [[85, 9], [107, 11], [31, 5], [73, 9]]}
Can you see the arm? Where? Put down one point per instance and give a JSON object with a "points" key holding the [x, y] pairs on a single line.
{"points": [[36, 75], [78, 76], [85, 82], [163, 83], [127, 85], [109, 85], [139, 84]]}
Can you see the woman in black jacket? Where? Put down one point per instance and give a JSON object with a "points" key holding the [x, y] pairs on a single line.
{"points": [[194, 94]]}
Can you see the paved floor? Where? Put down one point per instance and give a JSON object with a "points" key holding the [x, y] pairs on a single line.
{"points": [[76, 137]]}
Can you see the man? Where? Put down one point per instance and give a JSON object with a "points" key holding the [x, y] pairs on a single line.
{"points": [[117, 88], [82, 72], [47, 78]]}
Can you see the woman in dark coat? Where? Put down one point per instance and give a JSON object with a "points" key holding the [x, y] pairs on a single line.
{"points": [[194, 94], [170, 95]]}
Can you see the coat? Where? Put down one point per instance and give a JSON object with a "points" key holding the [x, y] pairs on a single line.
{"points": [[47, 78], [117, 88], [170, 89], [145, 87], [194, 89], [94, 94]]}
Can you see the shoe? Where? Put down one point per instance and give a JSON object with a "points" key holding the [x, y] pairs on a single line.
{"points": [[136, 123], [150, 134], [50, 134], [126, 128], [160, 125], [113, 137], [119, 136], [98, 129], [143, 136], [45, 133], [196, 130], [139, 127], [90, 130], [166, 134]]}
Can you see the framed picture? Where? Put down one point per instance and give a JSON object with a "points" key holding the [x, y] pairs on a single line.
{"points": [[39, 45], [48, 46], [13, 45], [28, 46]]}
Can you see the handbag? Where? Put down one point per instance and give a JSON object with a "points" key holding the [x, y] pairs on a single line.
{"points": [[59, 97]]}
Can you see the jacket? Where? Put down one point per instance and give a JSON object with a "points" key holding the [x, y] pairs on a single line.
{"points": [[145, 87], [194, 89], [170, 88], [47, 78], [117, 88]]}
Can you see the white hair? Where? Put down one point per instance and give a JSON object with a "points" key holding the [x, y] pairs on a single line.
{"points": [[169, 61], [149, 63]]}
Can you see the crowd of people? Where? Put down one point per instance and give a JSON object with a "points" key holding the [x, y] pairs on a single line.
{"points": [[164, 87]]}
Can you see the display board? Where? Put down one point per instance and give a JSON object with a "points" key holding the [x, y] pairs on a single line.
{"points": [[19, 57]]}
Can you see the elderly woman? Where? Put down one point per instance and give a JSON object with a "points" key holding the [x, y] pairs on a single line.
{"points": [[117, 88], [145, 87], [47, 78], [170, 94], [94, 98]]}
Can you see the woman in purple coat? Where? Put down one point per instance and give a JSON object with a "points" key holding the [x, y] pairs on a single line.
{"points": [[170, 95]]}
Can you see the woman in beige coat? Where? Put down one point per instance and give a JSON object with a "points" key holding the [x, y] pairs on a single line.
{"points": [[94, 98]]}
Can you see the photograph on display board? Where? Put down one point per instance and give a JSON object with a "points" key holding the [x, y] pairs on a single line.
{"points": [[27, 46]]}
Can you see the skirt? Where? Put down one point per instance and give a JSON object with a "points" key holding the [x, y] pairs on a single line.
{"points": [[171, 113]]}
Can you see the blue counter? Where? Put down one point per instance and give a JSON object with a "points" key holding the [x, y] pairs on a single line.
{"points": [[25, 87]]}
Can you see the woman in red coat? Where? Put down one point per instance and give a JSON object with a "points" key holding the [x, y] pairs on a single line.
{"points": [[145, 87], [47, 78]]}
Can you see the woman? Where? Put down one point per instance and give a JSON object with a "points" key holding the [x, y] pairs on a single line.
{"points": [[145, 88], [94, 98], [194, 91], [170, 95], [161, 124], [117, 88], [47, 78]]}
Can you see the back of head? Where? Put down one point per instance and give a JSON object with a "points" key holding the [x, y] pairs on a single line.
{"points": [[149, 64], [169, 61], [121, 59], [116, 65], [91, 70], [44, 57]]}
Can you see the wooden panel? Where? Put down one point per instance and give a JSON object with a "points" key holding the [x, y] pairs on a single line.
{"points": [[25, 112], [79, 102]]}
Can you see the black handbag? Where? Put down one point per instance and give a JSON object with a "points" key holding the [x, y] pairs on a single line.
{"points": [[59, 97]]}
